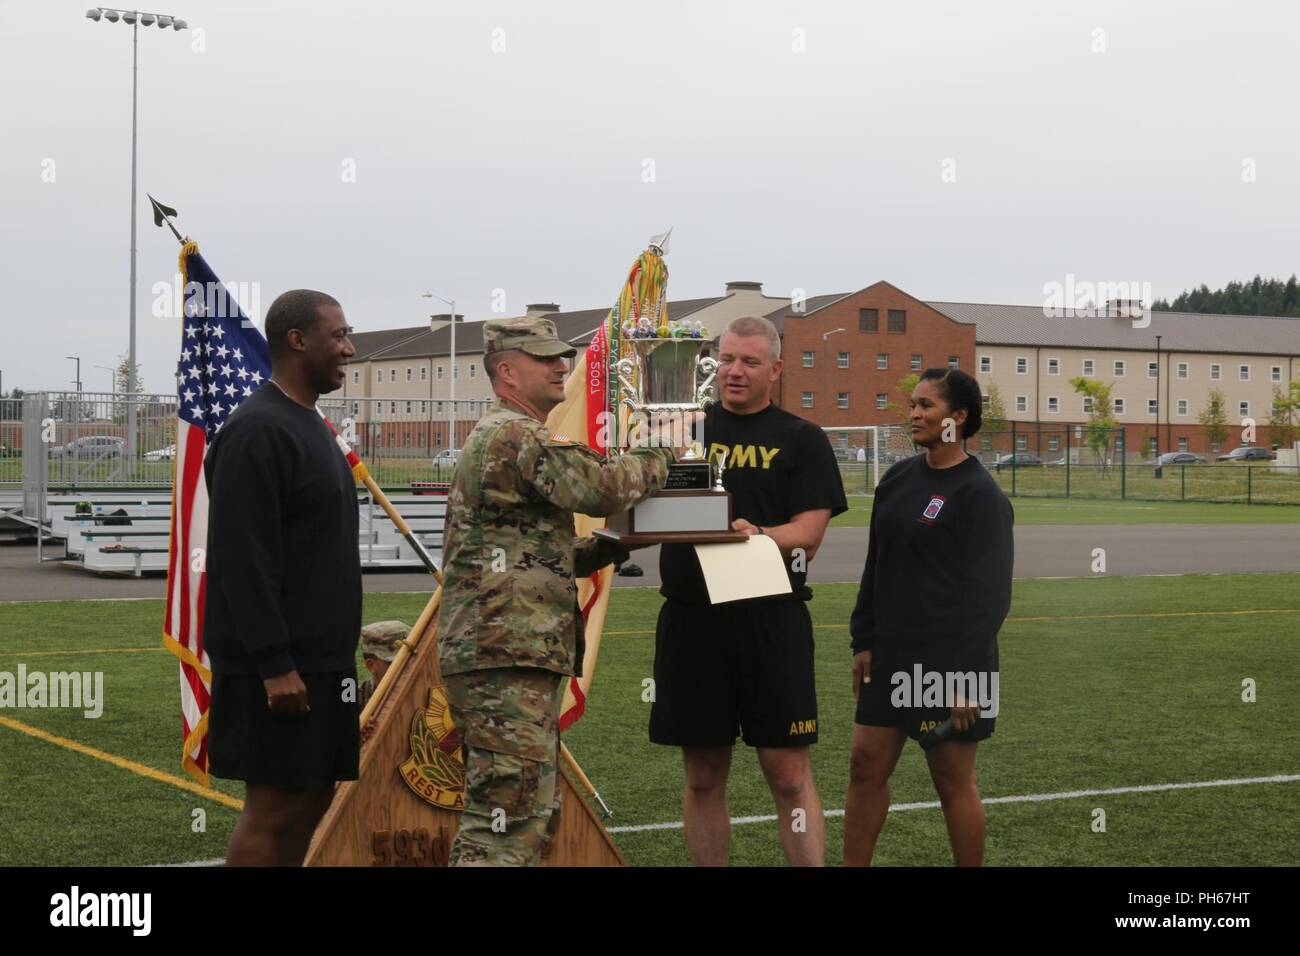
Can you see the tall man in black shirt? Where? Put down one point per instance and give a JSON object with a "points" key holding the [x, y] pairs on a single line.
{"points": [[283, 599], [748, 665]]}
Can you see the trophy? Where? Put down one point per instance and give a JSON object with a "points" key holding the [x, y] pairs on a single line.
{"points": [[658, 371]]}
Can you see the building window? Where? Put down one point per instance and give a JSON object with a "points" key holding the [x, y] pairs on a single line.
{"points": [[356, 377], [1053, 404], [1182, 370], [408, 408], [1275, 373], [842, 360], [1087, 404], [842, 400], [392, 374], [882, 360], [807, 399], [1022, 365], [379, 375], [1182, 407], [808, 360], [1053, 366], [1153, 370], [379, 408], [897, 321], [916, 362], [408, 374], [1243, 409], [1182, 443], [1119, 368], [1216, 372], [953, 361], [986, 401], [1053, 442], [424, 408], [473, 370], [1022, 443], [1089, 368], [868, 320], [455, 371], [437, 373], [1119, 406], [1214, 447], [424, 373], [1151, 445], [356, 408], [1153, 406], [986, 363], [1022, 403], [882, 400], [392, 408], [1243, 372]]}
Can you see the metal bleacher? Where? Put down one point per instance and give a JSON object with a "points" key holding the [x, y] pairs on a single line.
{"points": [[137, 541]]}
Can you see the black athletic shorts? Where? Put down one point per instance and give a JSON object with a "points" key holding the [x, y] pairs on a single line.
{"points": [[877, 709], [728, 668], [291, 751]]}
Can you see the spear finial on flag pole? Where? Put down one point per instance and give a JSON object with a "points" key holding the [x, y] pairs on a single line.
{"points": [[660, 242], [162, 214]]}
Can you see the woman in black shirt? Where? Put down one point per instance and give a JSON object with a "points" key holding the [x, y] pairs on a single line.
{"points": [[935, 590]]}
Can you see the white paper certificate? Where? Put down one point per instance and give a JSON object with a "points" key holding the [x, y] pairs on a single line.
{"points": [[735, 572]]}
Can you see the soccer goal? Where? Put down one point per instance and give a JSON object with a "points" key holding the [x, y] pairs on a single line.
{"points": [[862, 450]]}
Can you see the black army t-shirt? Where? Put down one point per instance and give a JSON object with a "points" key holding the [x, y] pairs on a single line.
{"points": [[777, 465]]}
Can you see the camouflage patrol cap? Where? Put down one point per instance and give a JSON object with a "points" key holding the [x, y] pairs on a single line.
{"points": [[383, 638], [534, 336]]}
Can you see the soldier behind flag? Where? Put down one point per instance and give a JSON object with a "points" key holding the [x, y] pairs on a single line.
{"points": [[379, 644], [283, 596], [509, 627]]}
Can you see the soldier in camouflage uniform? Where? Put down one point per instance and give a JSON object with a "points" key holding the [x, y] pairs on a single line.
{"points": [[509, 627], [379, 644]]}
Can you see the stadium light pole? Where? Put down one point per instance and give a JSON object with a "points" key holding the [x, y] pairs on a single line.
{"points": [[112, 379], [136, 19], [1158, 338], [826, 371], [451, 415]]}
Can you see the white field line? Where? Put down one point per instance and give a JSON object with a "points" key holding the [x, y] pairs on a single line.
{"points": [[1022, 798], [934, 805]]}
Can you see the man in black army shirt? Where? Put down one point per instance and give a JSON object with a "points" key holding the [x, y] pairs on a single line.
{"points": [[748, 665]]}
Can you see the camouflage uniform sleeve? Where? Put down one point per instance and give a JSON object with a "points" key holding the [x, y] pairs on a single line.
{"points": [[578, 479]]}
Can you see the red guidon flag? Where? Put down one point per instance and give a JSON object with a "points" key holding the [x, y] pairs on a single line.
{"points": [[582, 417]]}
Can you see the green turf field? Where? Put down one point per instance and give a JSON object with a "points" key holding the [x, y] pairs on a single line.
{"points": [[1104, 511], [1112, 682]]}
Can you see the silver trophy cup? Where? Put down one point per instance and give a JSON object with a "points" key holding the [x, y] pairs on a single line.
{"points": [[666, 375]]}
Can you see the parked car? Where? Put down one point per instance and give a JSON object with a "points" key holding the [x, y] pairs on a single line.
{"points": [[1020, 459], [446, 458], [1248, 453], [90, 448], [161, 454], [1177, 458]]}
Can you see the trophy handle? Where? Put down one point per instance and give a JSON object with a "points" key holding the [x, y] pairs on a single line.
{"points": [[625, 368], [704, 391]]}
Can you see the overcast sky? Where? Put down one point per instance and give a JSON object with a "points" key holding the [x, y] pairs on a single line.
{"points": [[506, 145]]}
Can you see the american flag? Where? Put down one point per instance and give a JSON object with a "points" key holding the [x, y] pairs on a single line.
{"points": [[223, 360]]}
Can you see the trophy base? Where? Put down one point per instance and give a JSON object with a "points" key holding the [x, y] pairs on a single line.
{"points": [[675, 517], [633, 540]]}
